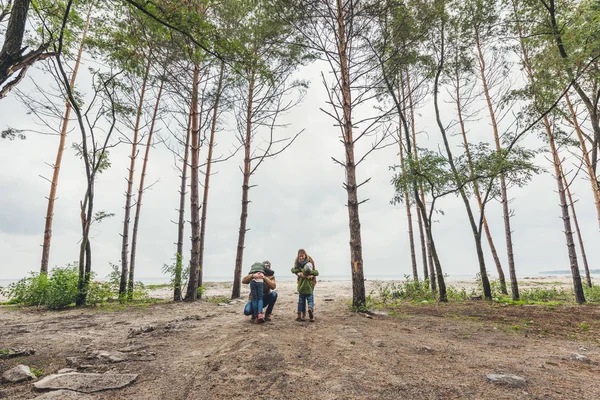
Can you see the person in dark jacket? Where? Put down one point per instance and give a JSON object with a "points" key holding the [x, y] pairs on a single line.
{"points": [[269, 295]]}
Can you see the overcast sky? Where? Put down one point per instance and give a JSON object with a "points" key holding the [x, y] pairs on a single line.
{"points": [[298, 202]]}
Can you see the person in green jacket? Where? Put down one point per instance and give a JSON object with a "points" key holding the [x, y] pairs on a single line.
{"points": [[305, 273]]}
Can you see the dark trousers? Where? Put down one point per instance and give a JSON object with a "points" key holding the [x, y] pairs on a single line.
{"points": [[269, 301]]}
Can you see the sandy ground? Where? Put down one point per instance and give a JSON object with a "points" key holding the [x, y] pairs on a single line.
{"points": [[206, 350]]}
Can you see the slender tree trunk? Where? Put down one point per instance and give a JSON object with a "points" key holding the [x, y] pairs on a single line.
{"points": [[577, 230], [426, 249], [586, 157], [503, 191], [211, 144], [358, 282], [59, 154], [486, 227], [578, 287], [192, 289], [129, 192], [177, 295], [138, 204], [411, 239], [239, 258], [487, 291], [13, 39]]}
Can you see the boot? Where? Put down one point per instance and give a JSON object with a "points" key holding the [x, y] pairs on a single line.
{"points": [[267, 317], [299, 317], [311, 315]]}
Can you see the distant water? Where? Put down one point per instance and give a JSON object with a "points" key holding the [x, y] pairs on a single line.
{"points": [[157, 280]]}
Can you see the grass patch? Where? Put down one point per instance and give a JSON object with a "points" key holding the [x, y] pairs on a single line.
{"points": [[218, 299], [37, 372], [159, 286]]}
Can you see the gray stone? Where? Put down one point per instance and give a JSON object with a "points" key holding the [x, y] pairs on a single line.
{"points": [[19, 373], [66, 370], [73, 361], [133, 347], [118, 356], [583, 359], [425, 349], [508, 380], [63, 395], [16, 352], [138, 331], [85, 382]]}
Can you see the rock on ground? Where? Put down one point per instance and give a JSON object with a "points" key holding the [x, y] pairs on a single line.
{"points": [[19, 373], [84, 382]]}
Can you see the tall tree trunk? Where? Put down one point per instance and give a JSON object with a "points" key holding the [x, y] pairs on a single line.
{"points": [[586, 157], [577, 230], [138, 204], [411, 239], [59, 154], [426, 250], [211, 144], [487, 291], [13, 39], [356, 260], [177, 295], [486, 227], [503, 191], [564, 207], [192, 289], [129, 192], [239, 257], [579, 295]]}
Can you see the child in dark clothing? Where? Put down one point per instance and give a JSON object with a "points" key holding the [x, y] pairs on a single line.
{"points": [[257, 292]]}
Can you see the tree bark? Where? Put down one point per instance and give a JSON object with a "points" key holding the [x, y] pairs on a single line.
{"points": [[128, 193], [211, 144], [239, 258], [138, 204], [579, 295], [487, 291], [564, 207], [358, 282], [192, 288], [486, 227], [177, 295], [59, 154], [577, 230], [13, 39], [503, 191], [411, 239], [425, 240]]}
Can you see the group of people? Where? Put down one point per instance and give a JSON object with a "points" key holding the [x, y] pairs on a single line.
{"points": [[261, 279]]}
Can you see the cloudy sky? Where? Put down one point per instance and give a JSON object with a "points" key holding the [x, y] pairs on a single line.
{"points": [[298, 202]]}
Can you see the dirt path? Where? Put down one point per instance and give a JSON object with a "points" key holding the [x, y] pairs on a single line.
{"points": [[210, 351]]}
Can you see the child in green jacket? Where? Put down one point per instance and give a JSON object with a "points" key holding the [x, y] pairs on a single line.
{"points": [[305, 275]]}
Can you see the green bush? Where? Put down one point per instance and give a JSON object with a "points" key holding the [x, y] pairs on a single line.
{"points": [[55, 291], [592, 294], [62, 290]]}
